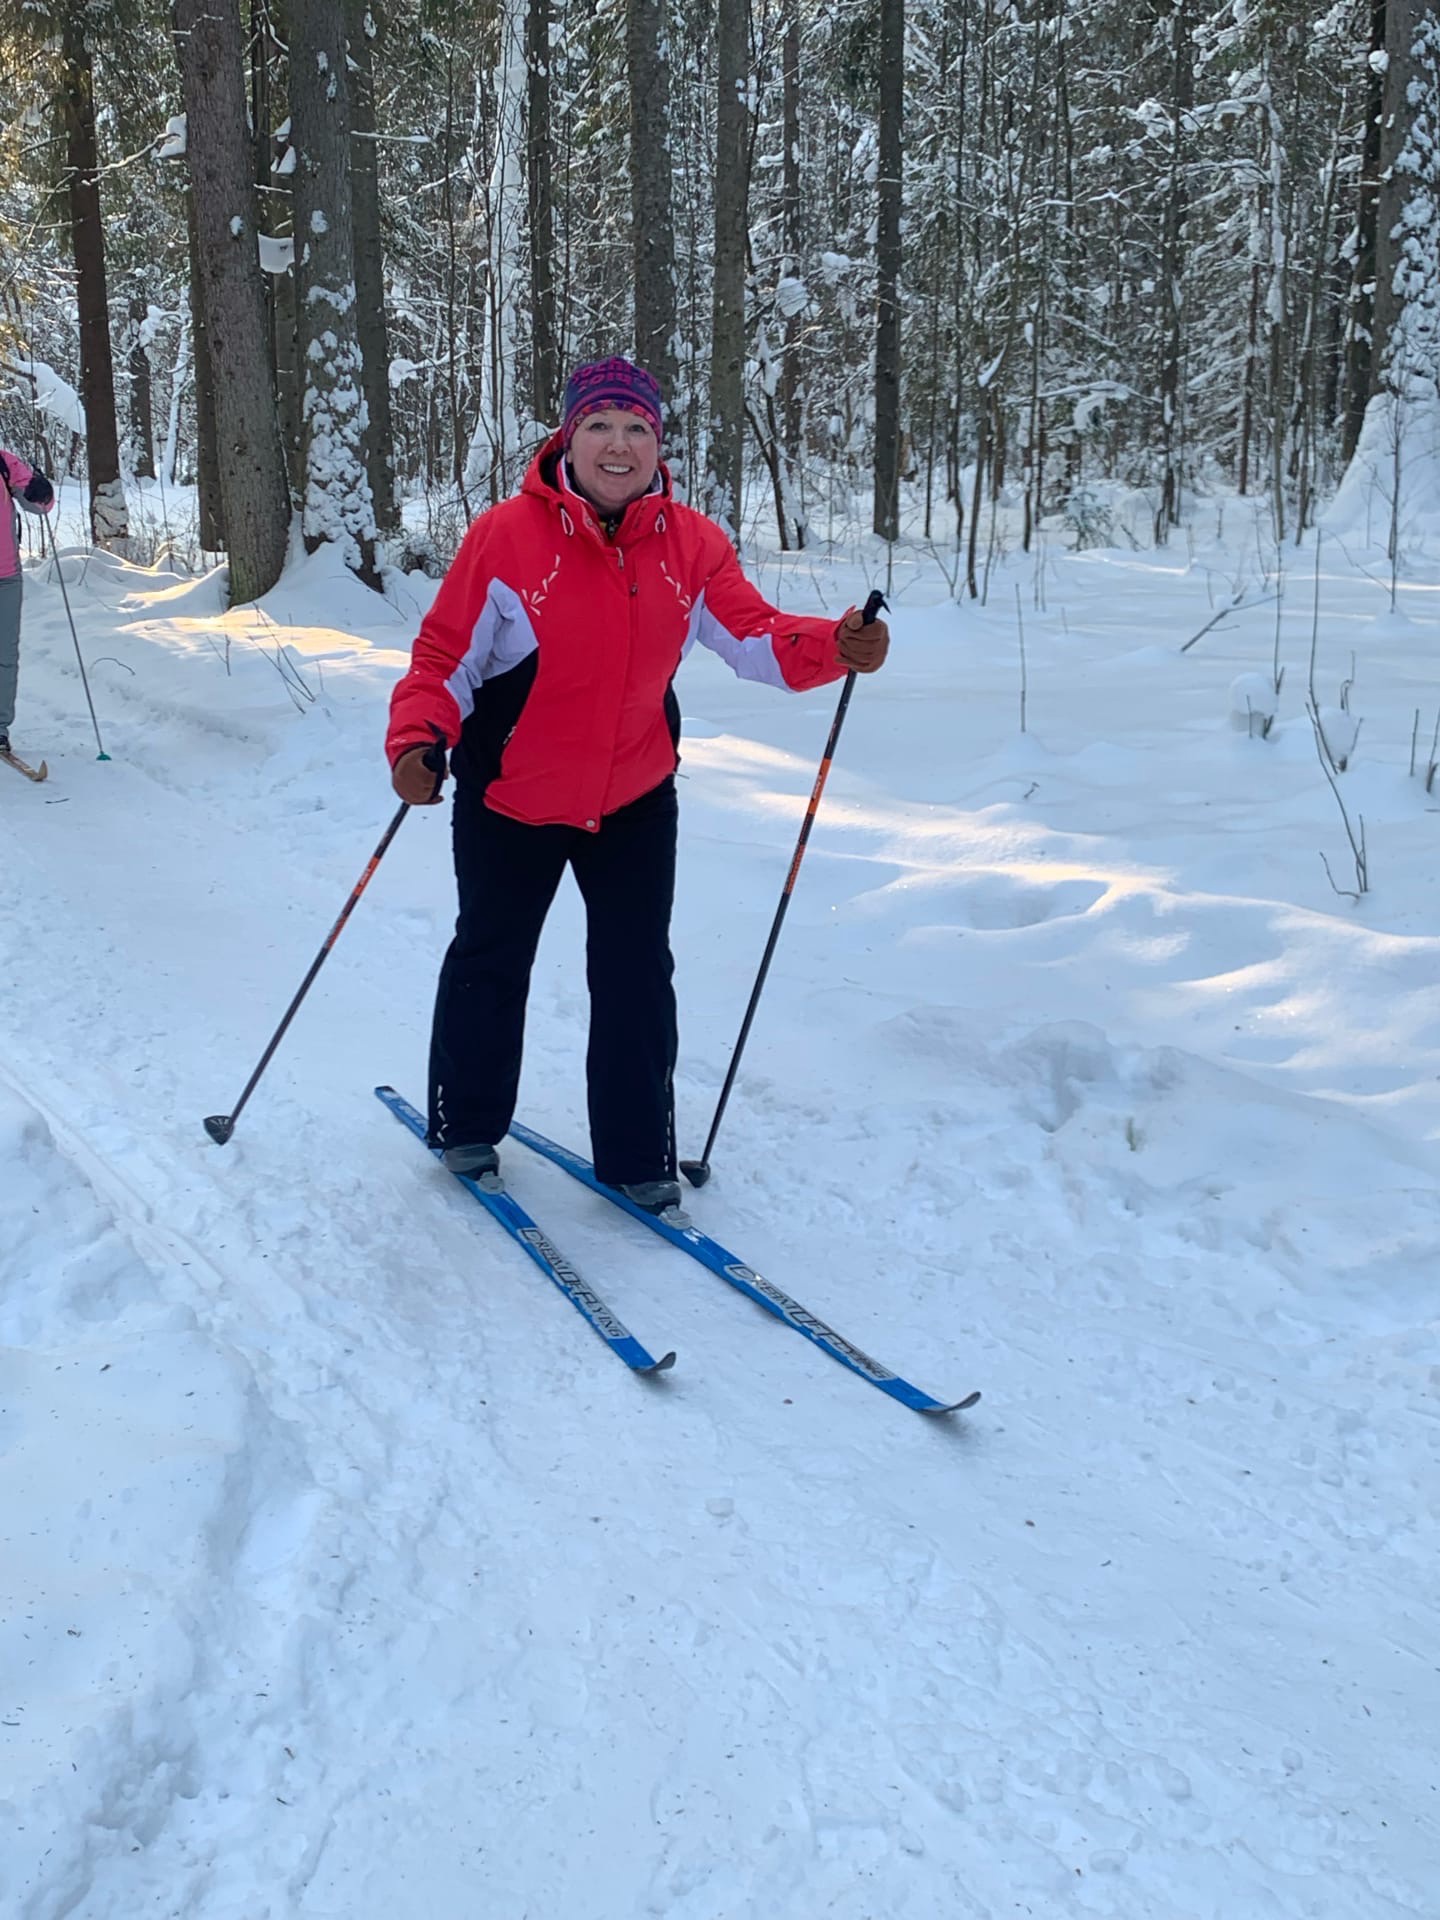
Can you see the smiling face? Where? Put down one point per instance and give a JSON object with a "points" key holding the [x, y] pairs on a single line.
{"points": [[613, 456]]}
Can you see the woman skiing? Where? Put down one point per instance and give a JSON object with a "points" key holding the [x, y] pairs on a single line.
{"points": [[545, 667], [24, 487]]}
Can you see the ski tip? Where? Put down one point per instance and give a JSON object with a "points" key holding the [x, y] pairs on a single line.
{"points": [[42, 772], [956, 1406], [663, 1365], [219, 1126]]}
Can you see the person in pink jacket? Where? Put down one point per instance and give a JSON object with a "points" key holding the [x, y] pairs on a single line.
{"points": [[23, 487], [545, 666]]}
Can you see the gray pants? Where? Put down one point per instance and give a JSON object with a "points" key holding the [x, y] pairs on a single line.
{"points": [[9, 648]]}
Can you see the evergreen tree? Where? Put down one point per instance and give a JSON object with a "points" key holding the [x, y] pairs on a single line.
{"points": [[254, 497]]}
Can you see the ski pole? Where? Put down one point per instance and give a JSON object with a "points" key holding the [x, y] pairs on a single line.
{"points": [[220, 1126], [84, 677], [697, 1172]]}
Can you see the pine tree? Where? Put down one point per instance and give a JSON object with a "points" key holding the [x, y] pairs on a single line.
{"points": [[109, 519], [336, 504], [254, 496], [727, 327]]}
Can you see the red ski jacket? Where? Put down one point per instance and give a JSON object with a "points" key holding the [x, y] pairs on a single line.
{"points": [[547, 657]]}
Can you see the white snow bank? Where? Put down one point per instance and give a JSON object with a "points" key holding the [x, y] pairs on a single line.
{"points": [[148, 1498], [1074, 1080], [1392, 485]]}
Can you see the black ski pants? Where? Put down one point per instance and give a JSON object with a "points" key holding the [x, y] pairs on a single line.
{"points": [[507, 874]]}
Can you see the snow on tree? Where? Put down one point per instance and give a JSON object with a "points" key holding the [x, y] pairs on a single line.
{"points": [[336, 503], [495, 441], [1175, 207], [1396, 464], [1413, 347], [232, 358]]}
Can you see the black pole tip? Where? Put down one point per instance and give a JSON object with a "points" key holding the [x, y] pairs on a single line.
{"points": [[697, 1172], [220, 1127]]}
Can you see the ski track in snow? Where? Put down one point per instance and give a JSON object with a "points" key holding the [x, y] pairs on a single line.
{"points": [[344, 1575]]}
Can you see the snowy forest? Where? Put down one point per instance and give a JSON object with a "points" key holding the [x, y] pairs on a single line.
{"points": [[1006, 1484], [893, 265]]}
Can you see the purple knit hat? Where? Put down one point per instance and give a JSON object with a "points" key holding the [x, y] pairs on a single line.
{"points": [[601, 384]]}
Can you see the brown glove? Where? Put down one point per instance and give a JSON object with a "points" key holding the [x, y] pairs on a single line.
{"points": [[418, 776], [861, 647]]}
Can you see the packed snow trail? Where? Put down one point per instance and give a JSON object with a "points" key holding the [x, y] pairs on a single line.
{"points": [[344, 1577]]}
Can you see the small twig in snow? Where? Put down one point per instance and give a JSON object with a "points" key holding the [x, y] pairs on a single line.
{"points": [[1357, 847], [1024, 678], [1236, 606]]}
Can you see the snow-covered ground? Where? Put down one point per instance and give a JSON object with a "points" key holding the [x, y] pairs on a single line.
{"points": [[343, 1574]]}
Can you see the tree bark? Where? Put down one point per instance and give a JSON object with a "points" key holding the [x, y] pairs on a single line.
{"points": [[887, 262], [367, 33], [540, 197], [792, 220], [492, 461], [142, 415], [1247, 385], [1172, 269], [337, 504], [109, 519], [727, 332], [1360, 335], [1412, 95], [651, 213], [252, 487], [207, 447]]}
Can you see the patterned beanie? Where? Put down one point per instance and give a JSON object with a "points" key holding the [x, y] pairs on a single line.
{"points": [[602, 384]]}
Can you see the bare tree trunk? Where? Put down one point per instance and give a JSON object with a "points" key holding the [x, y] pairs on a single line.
{"points": [[367, 33], [274, 165], [727, 333], [142, 418], [288, 382], [887, 261], [793, 224], [767, 438], [944, 232], [207, 446], [982, 457], [1406, 88], [1035, 449], [1306, 422], [337, 503], [252, 484], [264, 49], [452, 288], [960, 124], [652, 216], [1252, 361], [109, 519], [1276, 306], [1172, 269], [539, 148], [1360, 336]]}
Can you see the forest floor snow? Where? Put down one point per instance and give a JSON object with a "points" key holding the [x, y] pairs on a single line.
{"points": [[344, 1576]]}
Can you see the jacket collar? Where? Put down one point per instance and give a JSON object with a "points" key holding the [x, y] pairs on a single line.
{"points": [[548, 479]]}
